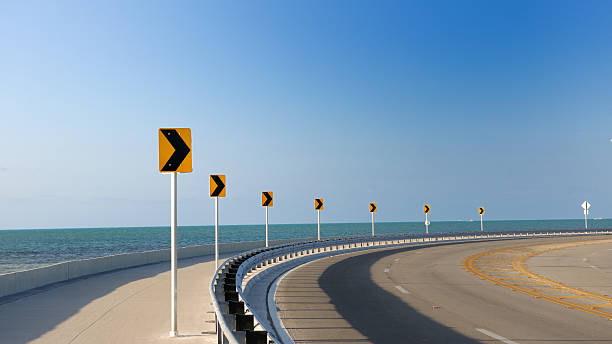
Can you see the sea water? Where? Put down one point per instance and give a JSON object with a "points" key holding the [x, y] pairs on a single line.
{"points": [[31, 248]]}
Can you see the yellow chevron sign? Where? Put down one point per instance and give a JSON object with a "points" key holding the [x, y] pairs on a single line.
{"points": [[267, 199], [373, 207], [319, 204], [426, 209], [481, 210], [175, 150], [217, 185]]}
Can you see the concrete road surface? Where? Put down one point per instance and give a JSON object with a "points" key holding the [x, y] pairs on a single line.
{"points": [[426, 295]]}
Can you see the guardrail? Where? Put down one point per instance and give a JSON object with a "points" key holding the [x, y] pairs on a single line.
{"points": [[237, 319]]}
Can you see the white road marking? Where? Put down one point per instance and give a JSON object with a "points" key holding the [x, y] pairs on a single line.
{"points": [[386, 269], [398, 287], [590, 265], [396, 260], [496, 336]]}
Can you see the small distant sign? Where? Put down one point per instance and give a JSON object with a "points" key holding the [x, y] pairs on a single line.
{"points": [[481, 210], [267, 199], [319, 204], [586, 205], [372, 207], [426, 209]]}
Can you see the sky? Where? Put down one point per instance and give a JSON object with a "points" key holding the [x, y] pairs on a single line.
{"points": [[500, 104]]}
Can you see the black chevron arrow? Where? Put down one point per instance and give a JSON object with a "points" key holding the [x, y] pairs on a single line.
{"points": [[220, 186], [180, 150], [372, 207], [427, 209], [268, 199], [318, 204]]}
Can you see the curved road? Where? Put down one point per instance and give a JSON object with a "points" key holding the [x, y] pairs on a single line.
{"points": [[427, 295]]}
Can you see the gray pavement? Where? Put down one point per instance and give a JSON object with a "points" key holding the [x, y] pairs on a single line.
{"points": [[425, 295], [585, 267], [125, 306]]}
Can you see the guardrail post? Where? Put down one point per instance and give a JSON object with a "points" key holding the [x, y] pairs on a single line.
{"points": [[256, 337], [244, 322]]}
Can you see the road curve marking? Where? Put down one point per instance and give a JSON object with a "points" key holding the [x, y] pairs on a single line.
{"points": [[386, 270], [399, 287], [532, 283], [496, 336]]}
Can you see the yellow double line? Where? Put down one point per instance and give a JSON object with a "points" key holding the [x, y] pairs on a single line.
{"points": [[480, 265]]}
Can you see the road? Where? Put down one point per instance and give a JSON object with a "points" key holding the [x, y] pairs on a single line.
{"points": [[429, 295]]}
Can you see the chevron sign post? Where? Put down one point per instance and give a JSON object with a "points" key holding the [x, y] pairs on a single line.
{"points": [[174, 157], [481, 212], [318, 208], [267, 201], [217, 189], [426, 210], [373, 209]]}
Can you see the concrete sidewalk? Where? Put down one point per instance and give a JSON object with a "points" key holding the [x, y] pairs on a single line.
{"points": [[125, 306]]}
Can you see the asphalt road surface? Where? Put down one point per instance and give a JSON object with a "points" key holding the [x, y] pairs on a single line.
{"points": [[426, 295]]}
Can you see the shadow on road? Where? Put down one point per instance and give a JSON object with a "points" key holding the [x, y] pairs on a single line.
{"points": [[26, 316], [376, 313]]}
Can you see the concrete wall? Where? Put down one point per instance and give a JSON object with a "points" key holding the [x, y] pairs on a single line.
{"points": [[20, 281]]}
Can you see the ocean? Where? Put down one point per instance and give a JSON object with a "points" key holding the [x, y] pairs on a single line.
{"points": [[32, 248]]}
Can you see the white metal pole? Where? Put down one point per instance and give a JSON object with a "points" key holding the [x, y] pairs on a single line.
{"points": [[426, 223], [481, 226], [585, 220], [173, 222], [216, 232], [266, 226], [372, 224], [318, 225]]}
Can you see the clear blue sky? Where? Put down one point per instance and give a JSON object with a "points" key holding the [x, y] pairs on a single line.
{"points": [[457, 104]]}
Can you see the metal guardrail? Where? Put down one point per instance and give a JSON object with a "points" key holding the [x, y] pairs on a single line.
{"points": [[236, 319]]}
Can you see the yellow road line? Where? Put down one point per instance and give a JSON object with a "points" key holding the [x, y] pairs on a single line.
{"points": [[514, 278], [604, 305], [518, 266]]}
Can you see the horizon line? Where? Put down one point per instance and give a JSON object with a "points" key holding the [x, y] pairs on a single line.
{"points": [[285, 224]]}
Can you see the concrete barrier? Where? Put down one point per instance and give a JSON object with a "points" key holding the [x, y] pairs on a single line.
{"points": [[17, 282]]}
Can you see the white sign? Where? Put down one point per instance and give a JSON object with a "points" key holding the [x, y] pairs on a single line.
{"points": [[586, 205]]}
